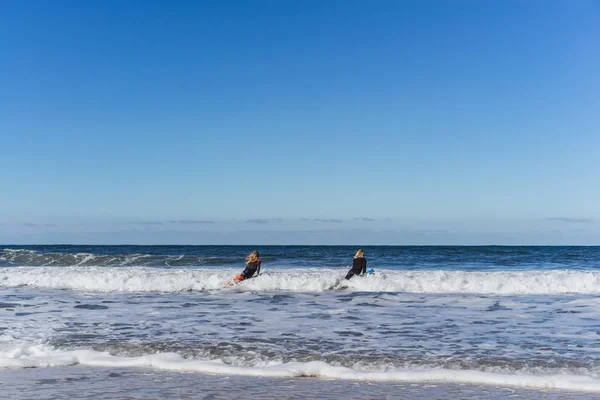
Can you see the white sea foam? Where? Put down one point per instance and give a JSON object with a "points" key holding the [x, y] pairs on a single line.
{"points": [[46, 356], [147, 279]]}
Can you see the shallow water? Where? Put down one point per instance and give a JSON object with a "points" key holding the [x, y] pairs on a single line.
{"points": [[116, 383]]}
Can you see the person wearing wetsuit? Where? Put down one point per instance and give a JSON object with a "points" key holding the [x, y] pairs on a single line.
{"points": [[359, 264], [253, 264]]}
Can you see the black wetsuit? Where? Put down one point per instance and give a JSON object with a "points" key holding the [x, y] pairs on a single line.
{"points": [[251, 269], [359, 266]]}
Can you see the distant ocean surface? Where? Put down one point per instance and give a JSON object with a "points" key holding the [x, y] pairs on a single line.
{"points": [[517, 317]]}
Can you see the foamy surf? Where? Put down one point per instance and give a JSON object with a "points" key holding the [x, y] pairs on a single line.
{"points": [[147, 279], [460, 317], [45, 356]]}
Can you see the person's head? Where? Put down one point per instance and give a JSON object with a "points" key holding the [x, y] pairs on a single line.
{"points": [[360, 254], [252, 257]]}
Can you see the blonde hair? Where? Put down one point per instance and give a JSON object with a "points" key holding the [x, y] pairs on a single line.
{"points": [[252, 257], [360, 254]]}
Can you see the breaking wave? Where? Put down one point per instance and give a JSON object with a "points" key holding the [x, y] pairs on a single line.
{"points": [[146, 279], [39, 356]]}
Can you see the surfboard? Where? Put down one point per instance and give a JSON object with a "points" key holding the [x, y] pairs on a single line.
{"points": [[233, 282], [371, 271]]}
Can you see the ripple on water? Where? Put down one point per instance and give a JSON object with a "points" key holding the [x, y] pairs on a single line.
{"points": [[9, 305], [91, 307]]}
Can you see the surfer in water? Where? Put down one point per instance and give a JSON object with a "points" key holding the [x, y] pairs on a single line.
{"points": [[359, 264], [253, 264]]}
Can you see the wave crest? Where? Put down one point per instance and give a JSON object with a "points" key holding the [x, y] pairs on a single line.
{"points": [[145, 279], [25, 356]]}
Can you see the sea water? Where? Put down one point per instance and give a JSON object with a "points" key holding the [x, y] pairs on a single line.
{"points": [[508, 317]]}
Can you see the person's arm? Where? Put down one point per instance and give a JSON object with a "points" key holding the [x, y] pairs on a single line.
{"points": [[364, 268], [258, 269]]}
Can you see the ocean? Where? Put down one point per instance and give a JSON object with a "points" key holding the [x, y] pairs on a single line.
{"points": [[488, 322]]}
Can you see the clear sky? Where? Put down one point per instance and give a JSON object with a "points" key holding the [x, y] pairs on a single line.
{"points": [[330, 121]]}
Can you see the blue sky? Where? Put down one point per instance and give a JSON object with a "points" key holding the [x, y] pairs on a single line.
{"points": [[389, 121]]}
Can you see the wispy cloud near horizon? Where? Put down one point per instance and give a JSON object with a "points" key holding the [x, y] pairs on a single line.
{"points": [[326, 236], [145, 222], [571, 220], [329, 220], [191, 222], [257, 221]]}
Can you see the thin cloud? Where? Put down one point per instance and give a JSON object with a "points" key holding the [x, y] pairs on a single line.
{"points": [[257, 221], [367, 219], [329, 220], [278, 220], [191, 222], [27, 224], [305, 219], [50, 225], [572, 220], [145, 222]]}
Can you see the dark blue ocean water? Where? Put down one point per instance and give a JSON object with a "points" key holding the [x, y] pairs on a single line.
{"points": [[466, 258]]}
